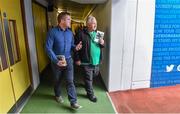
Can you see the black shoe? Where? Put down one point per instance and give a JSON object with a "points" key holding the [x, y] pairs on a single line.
{"points": [[76, 106], [59, 99], [92, 98]]}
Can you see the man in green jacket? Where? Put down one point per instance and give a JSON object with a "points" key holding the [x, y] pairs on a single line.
{"points": [[89, 57]]}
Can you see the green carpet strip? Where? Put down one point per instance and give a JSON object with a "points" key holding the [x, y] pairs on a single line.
{"points": [[42, 101]]}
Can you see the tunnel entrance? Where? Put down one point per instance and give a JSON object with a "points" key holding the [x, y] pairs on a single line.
{"points": [[79, 10]]}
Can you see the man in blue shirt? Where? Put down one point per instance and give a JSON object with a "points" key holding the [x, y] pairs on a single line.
{"points": [[60, 42]]}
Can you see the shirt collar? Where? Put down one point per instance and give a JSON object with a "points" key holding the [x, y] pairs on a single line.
{"points": [[60, 29]]}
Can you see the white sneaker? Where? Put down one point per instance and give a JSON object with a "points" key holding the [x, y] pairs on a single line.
{"points": [[76, 106], [59, 99]]}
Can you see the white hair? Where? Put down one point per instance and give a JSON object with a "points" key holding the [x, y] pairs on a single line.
{"points": [[91, 19]]}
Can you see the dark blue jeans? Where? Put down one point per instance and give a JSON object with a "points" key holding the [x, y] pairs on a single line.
{"points": [[69, 76]]}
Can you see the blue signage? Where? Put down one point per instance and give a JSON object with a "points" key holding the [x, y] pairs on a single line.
{"points": [[166, 50]]}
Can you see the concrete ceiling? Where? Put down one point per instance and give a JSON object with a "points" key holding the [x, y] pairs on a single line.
{"points": [[79, 9]]}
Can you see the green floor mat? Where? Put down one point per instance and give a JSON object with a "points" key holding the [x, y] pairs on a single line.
{"points": [[42, 101]]}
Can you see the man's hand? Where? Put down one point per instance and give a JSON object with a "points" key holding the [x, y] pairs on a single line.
{"points": [[60, 63], [101, 41], [79, 46], [78, 63]]}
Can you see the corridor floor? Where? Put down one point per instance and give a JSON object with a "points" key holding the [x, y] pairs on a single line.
{"points": [[42, 101], [152, 100]]}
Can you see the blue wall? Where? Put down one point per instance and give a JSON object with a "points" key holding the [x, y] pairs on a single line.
{"points": [[166, 51]]}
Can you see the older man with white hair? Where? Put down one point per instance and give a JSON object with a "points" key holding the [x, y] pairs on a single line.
{"points": [[89, 57]]}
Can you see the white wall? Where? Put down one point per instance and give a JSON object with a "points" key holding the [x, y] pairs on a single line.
{"points": [[117, 43], [103, 16], [31, 41], [144, 44], [131, 44], [128, 44]]}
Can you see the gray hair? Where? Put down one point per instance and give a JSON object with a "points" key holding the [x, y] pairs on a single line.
{"points": [[90, 19]]}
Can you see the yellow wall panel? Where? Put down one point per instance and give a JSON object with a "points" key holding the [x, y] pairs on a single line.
{"points": [[7, 99], [40, 24], [19, 72], [6, 92]]}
